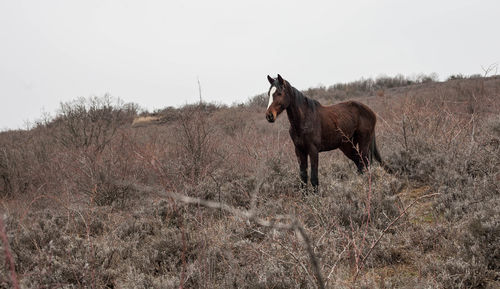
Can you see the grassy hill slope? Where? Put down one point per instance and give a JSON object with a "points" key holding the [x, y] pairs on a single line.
{"points": [[86, 198]]}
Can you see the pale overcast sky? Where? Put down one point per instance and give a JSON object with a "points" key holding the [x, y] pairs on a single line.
{"points": [[152, 52]]}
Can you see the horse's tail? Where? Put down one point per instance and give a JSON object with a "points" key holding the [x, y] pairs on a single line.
{"points": [[376, 154]]}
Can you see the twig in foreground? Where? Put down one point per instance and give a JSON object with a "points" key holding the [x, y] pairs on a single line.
{"points": [[8, 255], [250, 215], [386, 229]]}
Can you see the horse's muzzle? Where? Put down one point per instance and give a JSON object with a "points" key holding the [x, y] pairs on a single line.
{"points": [[270, 117]]}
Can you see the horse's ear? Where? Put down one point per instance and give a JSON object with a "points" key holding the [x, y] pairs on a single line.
{"points": [[280, 80], [270, 79]]}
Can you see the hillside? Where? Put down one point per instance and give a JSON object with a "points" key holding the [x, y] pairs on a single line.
{"points": [[103, 197]]}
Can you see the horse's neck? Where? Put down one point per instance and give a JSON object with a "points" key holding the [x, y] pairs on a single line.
{"points": [[293, 110]]}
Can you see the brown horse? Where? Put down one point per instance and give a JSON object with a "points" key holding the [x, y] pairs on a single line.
{"points": [[314, 128]]}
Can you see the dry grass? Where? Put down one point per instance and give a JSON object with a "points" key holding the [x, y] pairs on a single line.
{"points": [[92, 211], [144, 120]]}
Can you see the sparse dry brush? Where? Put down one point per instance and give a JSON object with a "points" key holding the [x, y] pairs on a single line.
{"points": [[207, 196]]}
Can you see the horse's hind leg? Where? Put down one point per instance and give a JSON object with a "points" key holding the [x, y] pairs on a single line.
{"points": [[364, 149], [353, 154]]}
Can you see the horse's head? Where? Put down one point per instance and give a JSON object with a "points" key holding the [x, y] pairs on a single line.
{"points": [[278, 98]]}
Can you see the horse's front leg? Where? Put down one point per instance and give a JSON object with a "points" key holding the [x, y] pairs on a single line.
{"points": [[302, 158], [313, 155]]}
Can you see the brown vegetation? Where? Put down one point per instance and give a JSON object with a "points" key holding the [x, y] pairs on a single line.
{"points": [[208, 197]]}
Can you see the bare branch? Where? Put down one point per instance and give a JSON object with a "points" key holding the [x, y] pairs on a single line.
{"points": [[8, 255], [386, 229], [336, 262], [297, 260], [314, 260], [250, 216], [490, 68]]}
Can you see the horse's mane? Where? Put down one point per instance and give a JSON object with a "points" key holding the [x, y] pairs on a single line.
{"points": [[300, 98]]}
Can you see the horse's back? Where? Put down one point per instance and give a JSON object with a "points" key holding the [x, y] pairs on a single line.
{"points": [[358, 108], [348, 118], [353, 112]]}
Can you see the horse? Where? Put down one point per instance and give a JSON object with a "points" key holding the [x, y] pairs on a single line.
{"points": [[314, 128]]}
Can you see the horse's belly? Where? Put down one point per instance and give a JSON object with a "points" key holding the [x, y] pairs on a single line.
{"points": [[330, 142], [328, 147]]}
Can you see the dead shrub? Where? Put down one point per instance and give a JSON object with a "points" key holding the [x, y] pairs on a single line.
{"points": [[91, 122], [196, 143]]}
